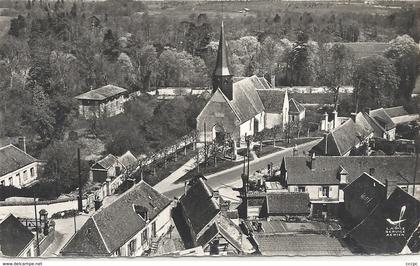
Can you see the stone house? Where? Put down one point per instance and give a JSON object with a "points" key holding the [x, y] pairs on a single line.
{"points": [[129, 226], [106, 101], [17, 168]]}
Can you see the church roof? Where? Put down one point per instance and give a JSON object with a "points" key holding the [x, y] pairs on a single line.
{"points": [[222, 62], [246, 102], [272, 99]]}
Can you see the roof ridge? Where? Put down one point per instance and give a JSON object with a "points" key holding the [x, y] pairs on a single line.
{"points": [[100, 233]]}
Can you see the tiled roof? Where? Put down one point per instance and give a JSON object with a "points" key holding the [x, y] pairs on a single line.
{"points": [[101, 93], [287, 203], [399, 168], [342, 139], [118, 222], [272, 100], [295, 107], [14, 236], [368, 123], [13, 158], [395, 111], [199, 206], [299, 245], [370, 234], [265, 83], [107, 162], [382, 118], [246, 103], [127, 159]]}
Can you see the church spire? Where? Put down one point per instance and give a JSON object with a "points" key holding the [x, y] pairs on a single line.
{"points": [[222, 62], [222, 77]]}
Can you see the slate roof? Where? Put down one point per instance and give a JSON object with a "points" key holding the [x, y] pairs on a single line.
{"points": [[106, 162], [368, 123], [370, 233], [102, 93], [199, 206], [299, 245], [395, 111], [399, 168], [342, 139], [295, 107], [287, 203], [112, 226], [383, 119], [246, 103], [222, 59], [14, 236], [127, 159], [13, 158], [272, 100]]}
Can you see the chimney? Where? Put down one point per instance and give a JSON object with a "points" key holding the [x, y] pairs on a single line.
{"points": [[335, 123], [312, 162], [325, 122], [22, 143], [273, 81], [371, 171], [390, 185], [326, 143], [353, 117]]}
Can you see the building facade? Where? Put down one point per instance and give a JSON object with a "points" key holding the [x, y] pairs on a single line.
{"points": [[17, 168]]}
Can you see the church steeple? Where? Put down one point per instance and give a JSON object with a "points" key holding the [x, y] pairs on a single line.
{"points": [[222, 77]]}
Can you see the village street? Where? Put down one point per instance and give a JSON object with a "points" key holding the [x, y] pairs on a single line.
{"points": [[232, 175]]}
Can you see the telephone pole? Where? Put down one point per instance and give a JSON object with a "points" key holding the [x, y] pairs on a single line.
{"points": [[36, 228], [79, 200]]}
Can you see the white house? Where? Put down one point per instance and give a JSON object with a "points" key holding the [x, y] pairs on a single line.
{"points": [[17, 168], [129, 226]]}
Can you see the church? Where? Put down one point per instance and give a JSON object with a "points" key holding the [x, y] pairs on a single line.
{"points": [[239, 106]]}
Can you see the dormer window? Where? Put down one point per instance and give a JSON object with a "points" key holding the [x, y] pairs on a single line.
{"points": [[142, 212]]}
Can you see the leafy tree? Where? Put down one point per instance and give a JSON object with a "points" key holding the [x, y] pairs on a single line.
{"points": [[17, 26], [336, 69], [404, 53], [375, 82]]}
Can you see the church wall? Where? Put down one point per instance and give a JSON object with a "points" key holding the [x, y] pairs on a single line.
{"points": [[217, 112], [273, 119]]}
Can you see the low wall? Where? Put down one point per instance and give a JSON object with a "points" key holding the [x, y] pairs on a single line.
{"points": [[27, 211]]}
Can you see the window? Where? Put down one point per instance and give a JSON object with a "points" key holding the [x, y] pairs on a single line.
{"points": [[154, 229], [326, 191], [118, 252], [144, 237], [132, 248], [28, 254], [2, 183], [32, 172], [25, 175], [405, 188], [301, 189], [10, 181]]}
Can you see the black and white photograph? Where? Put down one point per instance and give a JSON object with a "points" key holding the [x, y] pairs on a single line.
{"points": [[171, 129]]}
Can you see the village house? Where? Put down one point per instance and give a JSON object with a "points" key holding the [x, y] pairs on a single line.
{"points": [[201, 222], [111, 166], [391, 228], [17, 168], [15, 239], [130, 226], [342, 140], [325, 177], [363, 195], [276, 106], [296, 111], [106, 101]]}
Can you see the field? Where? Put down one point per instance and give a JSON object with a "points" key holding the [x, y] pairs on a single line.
{"points": [[4, 23]]}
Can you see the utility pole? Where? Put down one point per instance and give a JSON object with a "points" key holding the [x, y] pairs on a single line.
{"points": [[247, 154], [205, 145], [416, 150], [36, 228], [80, 202]]}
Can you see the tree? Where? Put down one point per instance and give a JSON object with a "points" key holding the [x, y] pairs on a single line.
{"points": [[404, 53], [375, 82], [336, 69], [17, 26]]}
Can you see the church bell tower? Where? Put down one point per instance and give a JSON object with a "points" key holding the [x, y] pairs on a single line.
{"points": [[222, 77]]}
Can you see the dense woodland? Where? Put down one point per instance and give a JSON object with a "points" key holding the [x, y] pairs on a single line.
{"points": [[56, 50]]}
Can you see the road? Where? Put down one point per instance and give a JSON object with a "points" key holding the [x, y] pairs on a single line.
{"points": [[234, 174]]}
